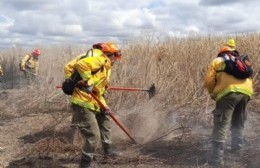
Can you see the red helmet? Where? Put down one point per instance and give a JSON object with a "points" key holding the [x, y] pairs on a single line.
{"points": [[110, 48], [36, 52]]}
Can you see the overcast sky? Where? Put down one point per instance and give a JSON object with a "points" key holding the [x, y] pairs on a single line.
{"points": [[32, 22]]}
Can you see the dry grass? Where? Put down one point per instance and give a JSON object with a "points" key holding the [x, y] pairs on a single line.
{"points": [[176, 67]]}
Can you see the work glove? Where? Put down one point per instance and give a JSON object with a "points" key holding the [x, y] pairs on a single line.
{"points": [[107, 111], [88, 89], [67, 80]]}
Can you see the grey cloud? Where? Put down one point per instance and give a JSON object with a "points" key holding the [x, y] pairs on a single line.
{"points": [[48, 21], [49, 24], [178, 16], [70, 18], [26, 4], [227, 20], [223, 2], [34, 23], [5, 24]]}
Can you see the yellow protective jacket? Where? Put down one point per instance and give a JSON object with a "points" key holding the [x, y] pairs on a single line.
{"points": [[69, 67], [30, 63], [96, 71], [220, 84], [1, 71]]}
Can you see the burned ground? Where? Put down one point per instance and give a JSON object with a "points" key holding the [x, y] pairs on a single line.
{"points": [[41, 138]]}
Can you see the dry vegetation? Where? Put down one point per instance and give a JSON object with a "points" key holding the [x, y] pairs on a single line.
{"points": [[172, 128]]}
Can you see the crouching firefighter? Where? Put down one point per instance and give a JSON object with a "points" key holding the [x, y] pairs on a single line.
{"points": [[90, 73]]}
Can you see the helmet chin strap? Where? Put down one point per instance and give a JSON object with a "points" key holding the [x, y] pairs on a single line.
{"points": [[112, 59]]}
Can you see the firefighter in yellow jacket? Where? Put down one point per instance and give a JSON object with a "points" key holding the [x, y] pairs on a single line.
{"points": [[30, 65], [231, 95], [94, 70]]}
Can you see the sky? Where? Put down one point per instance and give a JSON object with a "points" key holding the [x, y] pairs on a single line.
{"points": [[37, 22]]}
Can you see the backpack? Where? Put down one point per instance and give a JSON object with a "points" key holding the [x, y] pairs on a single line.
{"points": [[69, 84], [238, 66]]}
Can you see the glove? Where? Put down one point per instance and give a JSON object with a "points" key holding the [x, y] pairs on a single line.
{"points": [[88, 89], [107, 111]]}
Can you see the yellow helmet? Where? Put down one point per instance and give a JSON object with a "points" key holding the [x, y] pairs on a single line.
{"points": [[231, 43]]}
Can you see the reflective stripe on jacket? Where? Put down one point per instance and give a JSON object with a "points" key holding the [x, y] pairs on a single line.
{"points": [[220, 84]]}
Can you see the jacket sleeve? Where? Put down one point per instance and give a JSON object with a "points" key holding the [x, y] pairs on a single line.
{"points": [[210, 78], [24, 61], [69, 67]]}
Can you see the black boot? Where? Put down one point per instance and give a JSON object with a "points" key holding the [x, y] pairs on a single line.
{"points": [[85, 164], [109, 152], [85, 161], [236, 146], [216, 159]]}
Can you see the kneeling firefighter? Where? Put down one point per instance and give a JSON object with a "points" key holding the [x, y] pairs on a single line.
{"points": [[90, 73]]}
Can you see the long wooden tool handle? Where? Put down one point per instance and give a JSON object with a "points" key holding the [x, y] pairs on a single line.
{"points": [[129, 89]]}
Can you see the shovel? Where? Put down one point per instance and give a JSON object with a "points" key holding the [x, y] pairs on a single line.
{"points": [[151, 91]]}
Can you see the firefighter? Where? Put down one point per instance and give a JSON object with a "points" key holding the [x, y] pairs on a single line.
{"points": [[30, 65], [231, 95], [93, 70]]}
